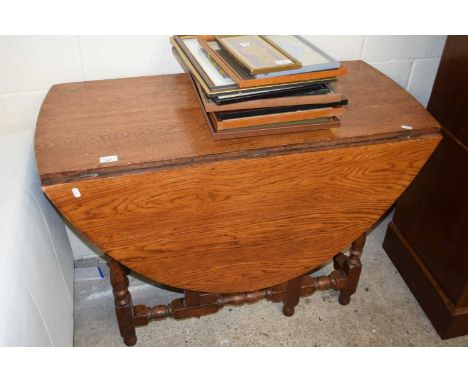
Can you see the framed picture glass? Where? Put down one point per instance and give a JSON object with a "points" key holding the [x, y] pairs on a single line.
{"points": [[311, 58], [212, 74]]}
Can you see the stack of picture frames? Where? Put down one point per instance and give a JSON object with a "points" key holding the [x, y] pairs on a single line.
{"points": [[259, 85]]}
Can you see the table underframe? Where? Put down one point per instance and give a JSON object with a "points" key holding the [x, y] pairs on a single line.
{"points": [[345, 278]]}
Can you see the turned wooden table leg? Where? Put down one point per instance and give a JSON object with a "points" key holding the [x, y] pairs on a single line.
{"points": [[293, 293], [352, 268], [123, 302]]}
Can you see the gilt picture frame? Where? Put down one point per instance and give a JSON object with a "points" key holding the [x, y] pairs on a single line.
{"points": [[257, 55]]}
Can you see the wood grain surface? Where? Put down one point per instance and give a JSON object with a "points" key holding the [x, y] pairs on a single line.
{"points": [[450, 92], [242, 224], [331, 123], [292, 116], [156, 122]]}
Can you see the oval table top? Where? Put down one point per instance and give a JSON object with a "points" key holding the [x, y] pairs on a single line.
{"points": [[156, 121], [224, 216]]}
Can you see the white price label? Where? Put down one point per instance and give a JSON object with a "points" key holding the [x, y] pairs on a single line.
{"points": [[108, 159], [76, 192]]}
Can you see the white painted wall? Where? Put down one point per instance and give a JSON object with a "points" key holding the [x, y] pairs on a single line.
{"points": [[30, 65], [36, 260], [411, 61]]}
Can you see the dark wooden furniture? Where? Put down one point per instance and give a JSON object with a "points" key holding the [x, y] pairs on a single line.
{"points": [[227, 221], [428, 237]]}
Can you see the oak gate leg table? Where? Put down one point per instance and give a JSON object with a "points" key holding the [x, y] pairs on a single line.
{"points": [[131, 165]]}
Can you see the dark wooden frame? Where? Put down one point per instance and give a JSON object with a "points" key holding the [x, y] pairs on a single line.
{"points": [[344, 278], [330, 123]]}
